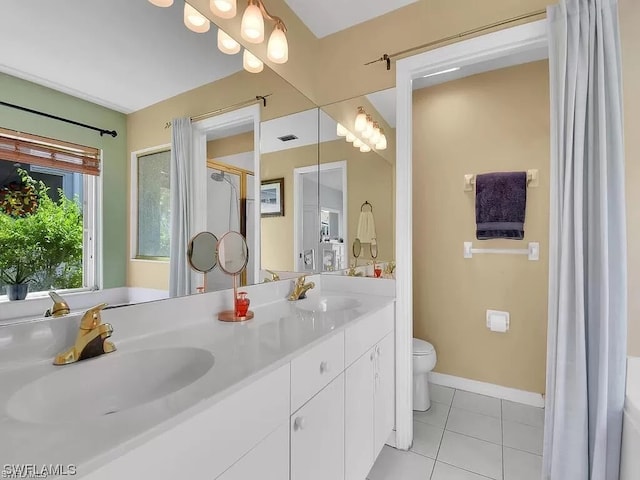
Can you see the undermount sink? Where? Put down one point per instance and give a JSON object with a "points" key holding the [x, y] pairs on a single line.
{"points": [[108, 384], [327, 304]]}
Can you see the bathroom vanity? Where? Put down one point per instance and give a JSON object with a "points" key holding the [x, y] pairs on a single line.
{"points": [[303, 391]]}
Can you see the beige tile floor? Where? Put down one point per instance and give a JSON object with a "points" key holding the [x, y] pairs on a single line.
{"points": [[465, 436]]}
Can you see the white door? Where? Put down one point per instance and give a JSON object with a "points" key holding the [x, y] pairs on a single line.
{"points": [[310, 237], [384, 391], [358, 417], [317, 436]]}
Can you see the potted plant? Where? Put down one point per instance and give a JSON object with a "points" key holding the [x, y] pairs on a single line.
{"points": [[16, 279], [41, 240]]}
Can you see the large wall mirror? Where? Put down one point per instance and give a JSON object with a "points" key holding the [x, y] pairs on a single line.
{"points": [[357, 181], [290, 184]]}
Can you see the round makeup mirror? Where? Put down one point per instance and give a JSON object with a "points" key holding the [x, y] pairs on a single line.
{"points": [[373, 249], [233, 253], [357, 247], [202, 253]]}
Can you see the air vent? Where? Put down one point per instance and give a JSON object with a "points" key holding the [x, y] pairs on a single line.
{"points": [[287, 138]]}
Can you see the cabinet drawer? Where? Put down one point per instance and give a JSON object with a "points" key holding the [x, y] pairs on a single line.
{"points": [[311, 371], [367, 332]]}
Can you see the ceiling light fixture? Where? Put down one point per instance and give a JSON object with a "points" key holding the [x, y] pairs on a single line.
{"points": [[226, 44], [441, 72], [251, 63], [252, 28], [161, 3], [223, 8], [365, 148], [194, 20], [350, 137], [341, 131]]}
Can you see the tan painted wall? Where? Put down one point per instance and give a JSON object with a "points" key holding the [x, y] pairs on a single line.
{"points": [[630, 37], [331, 69], [497, 121], [146, 128], [230, 145], [369, 177]]}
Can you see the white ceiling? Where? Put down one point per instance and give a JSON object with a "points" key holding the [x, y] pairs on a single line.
{"points": [[123, 54], [384, 102], [324, 17], [303, 125]]}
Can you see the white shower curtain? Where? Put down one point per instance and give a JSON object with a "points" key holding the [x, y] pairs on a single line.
{"points": [[182, 206], [586, 354]]}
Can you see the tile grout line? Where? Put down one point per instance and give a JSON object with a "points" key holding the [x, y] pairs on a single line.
{"points": [[466, 470], [442, 437]]}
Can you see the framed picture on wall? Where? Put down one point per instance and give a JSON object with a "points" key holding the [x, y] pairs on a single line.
{"points": [[272, 198]]}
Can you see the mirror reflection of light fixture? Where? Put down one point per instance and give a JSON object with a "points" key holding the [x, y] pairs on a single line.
{"points": [[358, 143], [361, 120], [365, 148], [161, 3], [251, 63], [382, 143], [341, 131], [375, 136], [368, 129], [226, 44], [223, 8], [194, 20], [350, 137]]}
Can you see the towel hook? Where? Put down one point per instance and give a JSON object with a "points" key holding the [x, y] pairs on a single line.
{"points": [[364, 205]]}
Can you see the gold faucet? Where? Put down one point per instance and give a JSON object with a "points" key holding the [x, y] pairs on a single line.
{"points": [[274, 277], [352, 272], [91, 340], [60, 307], [300, 289]]}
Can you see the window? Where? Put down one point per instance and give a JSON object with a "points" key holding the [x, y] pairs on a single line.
{"points": [[153, 205], [47, 213]]}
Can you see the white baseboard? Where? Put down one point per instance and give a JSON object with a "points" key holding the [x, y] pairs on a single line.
{"points": [[489, 389]]}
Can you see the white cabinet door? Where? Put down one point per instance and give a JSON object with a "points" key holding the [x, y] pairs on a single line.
{"points": [[358, 417], [317, 436], [384, 391], [269, 460]]}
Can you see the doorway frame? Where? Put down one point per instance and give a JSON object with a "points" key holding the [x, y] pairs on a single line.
{"points": [[298, 206], [503, 43], [229, 119]]}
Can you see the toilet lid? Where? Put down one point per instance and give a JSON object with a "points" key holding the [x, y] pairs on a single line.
{"points": [[420, 347]]}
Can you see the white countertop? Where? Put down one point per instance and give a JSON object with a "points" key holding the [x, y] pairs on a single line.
{"points": [[242, 351]]}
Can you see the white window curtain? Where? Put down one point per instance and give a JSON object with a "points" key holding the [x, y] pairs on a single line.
{"points": [[587, 337], [188, 180]]}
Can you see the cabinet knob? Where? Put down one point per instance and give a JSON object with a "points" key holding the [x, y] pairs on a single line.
{"points": [[377, 352], [299, 423], [372, 357], [324, 367]]}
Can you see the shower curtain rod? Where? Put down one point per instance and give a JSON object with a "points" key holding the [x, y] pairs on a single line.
{"points": [[257, 98], [388, 57], [102, 131]]}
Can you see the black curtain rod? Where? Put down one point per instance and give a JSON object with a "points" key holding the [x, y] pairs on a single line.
{"points": [[102, 131]]}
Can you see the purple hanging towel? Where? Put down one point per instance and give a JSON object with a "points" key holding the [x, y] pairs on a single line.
{"points": [[501, 200]]}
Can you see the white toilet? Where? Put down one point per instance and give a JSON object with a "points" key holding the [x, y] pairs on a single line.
{"points": [[424, 359]]}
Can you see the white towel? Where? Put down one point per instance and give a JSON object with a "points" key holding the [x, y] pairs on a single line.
{"points": [[366, 228]]}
